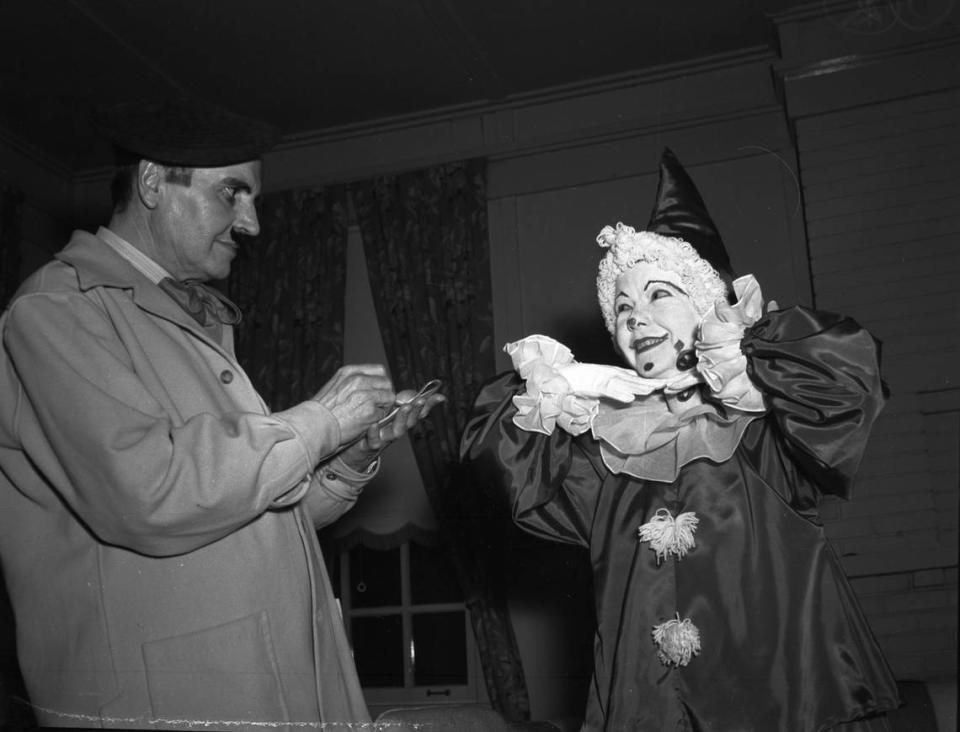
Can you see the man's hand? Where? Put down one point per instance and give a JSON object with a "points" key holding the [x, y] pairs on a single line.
{"points": [[378, 437], [357, 396]]}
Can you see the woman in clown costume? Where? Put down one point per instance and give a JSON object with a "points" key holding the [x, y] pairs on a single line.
{"points": [[693, 477]]}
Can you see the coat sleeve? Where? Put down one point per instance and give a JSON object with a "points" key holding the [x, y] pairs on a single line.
{"points": [[334, 490], [820, 376], [550, 482], [134, 475]]}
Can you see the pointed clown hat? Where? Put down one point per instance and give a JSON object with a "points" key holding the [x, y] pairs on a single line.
{"points": [[680, 212], [680, 237]]}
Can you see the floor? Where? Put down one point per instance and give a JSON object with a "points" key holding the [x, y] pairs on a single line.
{"points": [[929, 706]]}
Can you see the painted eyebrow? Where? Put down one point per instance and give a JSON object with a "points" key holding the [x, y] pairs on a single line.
{"points": [[664, 282]]}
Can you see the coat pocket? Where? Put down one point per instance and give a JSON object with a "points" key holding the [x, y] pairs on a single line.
{"points": [[226, 674]]}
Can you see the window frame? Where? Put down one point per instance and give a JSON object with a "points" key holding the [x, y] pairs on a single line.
{"points": [[410, 694]]}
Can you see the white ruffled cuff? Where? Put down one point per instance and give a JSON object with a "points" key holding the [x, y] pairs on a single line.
{"points": [[721, 362], [548, 400]]}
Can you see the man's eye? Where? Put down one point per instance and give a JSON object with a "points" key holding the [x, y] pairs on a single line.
{"points": [[660, 292], [230, 193], [623, 307]]}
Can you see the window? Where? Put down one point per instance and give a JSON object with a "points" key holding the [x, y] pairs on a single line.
{"points": [[408, 625]]}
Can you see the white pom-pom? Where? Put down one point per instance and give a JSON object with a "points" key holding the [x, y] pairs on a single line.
{"points": [[669, 535], [677, 641]]}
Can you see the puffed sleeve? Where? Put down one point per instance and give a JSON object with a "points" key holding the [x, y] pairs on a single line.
{"points": [[551, 481], [820, 377]]}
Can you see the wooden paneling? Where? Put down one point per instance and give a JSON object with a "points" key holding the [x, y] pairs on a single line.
{"points": [[881, 203]]}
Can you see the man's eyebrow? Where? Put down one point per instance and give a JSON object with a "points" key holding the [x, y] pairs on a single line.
{"points": [[665, 282], [239, 183]]}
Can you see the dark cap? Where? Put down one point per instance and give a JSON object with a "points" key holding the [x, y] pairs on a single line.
{"points": [[183, 132]]}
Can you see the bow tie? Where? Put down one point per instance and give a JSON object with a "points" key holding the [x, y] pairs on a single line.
{"points": [[201, 302]]}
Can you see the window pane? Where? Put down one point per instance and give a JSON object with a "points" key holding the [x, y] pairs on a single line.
{"points": [[378, 650], [440, 648], [374, 577], [432, 576]]}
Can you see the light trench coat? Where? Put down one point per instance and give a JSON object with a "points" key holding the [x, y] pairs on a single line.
{"points": [[157, 522]]}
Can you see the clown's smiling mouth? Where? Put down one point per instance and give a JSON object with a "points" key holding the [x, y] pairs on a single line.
{"points": [[645, 344]]}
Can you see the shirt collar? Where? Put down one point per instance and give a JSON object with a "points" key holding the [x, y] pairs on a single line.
{"points": [[140, 261]]}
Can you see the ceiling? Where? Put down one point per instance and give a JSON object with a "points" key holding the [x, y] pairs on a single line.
{"points": [[308, 65]]}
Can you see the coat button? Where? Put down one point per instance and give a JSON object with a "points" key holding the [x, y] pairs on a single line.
{"points": [[226, 376]]}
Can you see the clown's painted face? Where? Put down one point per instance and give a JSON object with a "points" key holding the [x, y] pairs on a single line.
{"points": [[656, 320]]}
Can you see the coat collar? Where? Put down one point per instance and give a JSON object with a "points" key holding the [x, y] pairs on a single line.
{"points": [[98, 265]]}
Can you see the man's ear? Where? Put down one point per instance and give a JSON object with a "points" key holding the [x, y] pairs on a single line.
{"points": [[149, 180]]}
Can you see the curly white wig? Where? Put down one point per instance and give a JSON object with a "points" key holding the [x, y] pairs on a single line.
{"points": [[629, 247]]}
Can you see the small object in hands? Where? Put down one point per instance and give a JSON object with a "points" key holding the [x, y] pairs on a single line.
{"points": [[431, 387]]}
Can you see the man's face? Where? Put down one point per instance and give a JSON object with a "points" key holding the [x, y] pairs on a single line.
{"points": [[193, 226], [656, 320]]}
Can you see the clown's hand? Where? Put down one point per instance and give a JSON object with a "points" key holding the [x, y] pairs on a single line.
{"points": [[608, 382]]}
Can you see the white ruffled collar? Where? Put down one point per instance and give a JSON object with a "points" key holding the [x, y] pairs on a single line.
{"points": [[655, 436]]}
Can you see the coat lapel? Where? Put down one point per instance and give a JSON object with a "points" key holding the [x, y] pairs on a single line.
{"points": [[98, 265]]}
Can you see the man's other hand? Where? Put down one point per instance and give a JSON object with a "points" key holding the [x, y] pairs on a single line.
{"points": [[357, 395], [411, 409]]}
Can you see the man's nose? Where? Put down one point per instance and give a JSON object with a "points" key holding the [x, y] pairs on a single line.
{"points": [[247, 221], [635, 321]]}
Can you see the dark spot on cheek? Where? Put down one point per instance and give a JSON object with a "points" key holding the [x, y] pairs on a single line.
{"points": [[647, 366], [678, 346]]}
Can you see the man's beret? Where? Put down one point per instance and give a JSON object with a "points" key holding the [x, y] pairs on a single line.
{"points": [[183, 132]]}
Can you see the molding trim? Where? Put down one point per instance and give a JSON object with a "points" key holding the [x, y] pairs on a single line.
{"points": [[630, 130], [668, 98], [666, 72], [860, 61], [818, 9], [826, 9], [34, 154], [92, 175]]}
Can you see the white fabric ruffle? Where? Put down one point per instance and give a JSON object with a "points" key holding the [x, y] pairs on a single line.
{"points": [[549, 400], [721, 363]]}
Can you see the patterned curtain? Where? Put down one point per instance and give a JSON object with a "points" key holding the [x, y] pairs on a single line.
{"points": [[289, 282], [425, 239], [11, 214]]}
